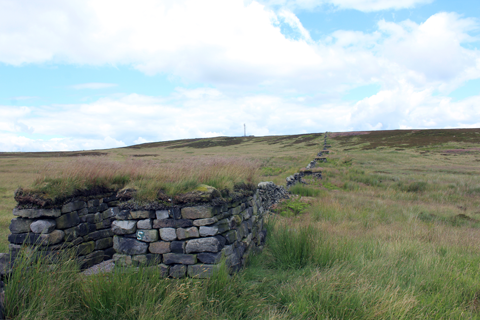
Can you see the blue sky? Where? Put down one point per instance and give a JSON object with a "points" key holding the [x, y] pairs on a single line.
{"points": [[91, 74]]}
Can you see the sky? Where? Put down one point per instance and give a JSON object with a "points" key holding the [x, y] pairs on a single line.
{"points": [[95, 74]]}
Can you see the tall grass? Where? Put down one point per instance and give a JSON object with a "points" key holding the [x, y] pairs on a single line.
{"points": [[37, 289], [308, 271], [304, 191], [147, 176]]}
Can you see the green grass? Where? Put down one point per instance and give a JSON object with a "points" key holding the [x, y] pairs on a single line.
{"points": [[393, 234], [302, 190], [305, 272]]}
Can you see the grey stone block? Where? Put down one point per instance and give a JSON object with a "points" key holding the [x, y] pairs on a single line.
{"points": [[209, 258], [208, 231], [37, 213], [102, 207], [143, 214], [104, 243], [147, 235], [162, 214], [93, 203], [73, 206], [21, 238], [204, 222], [123, 215], [129, 246], [85, 248], [228, 250], [124, 227], [168, 234], [159, 247], [231, 236], [180, 258], [175, 213], [223, 225], [98, 234], [178, 271], [221, 239], [172, 223], [82, 212], [187, 233], [198, 212], [56, 236], [144, 224], [146, 259], [98, 217], [203, 245], [177, 246], [247, 213], [90, 218], [67, 220], [110, 213], [20, 225], [201, 271]]}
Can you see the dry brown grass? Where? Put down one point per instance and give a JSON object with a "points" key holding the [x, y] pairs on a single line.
{"points": [[147, 176]]}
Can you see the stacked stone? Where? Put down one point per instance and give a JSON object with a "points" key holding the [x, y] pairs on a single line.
{"points": [[79, 224], [312, 164], [297, 177], [294, 179], [188, 241]]}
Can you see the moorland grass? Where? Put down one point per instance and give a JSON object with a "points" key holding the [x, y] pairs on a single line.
{"points": [[393, 234], [148, 177]]}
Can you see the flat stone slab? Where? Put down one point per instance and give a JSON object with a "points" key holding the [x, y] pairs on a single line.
{"points": [[203, 245], [147, 235], [187, 233], [129, 245], [168, 234], [159, 247], [20, 225], [197, 212], [179, 258], [208, 231], [37, 213], [121, 227]]}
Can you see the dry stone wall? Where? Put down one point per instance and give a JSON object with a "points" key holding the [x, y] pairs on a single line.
{"points": [[179, 240], [83, 225], [308, 171]]}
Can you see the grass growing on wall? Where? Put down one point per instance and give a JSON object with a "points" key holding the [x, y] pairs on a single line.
{"points": [[146, 176]]}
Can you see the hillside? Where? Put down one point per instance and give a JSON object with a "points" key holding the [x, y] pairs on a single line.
{"points": [[390, 232]]}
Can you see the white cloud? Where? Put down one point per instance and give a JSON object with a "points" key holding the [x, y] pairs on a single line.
{"points": [[237, 50], [187, 114], [184, 39], [93, 85], [361, 5], [141, 140], [16, 143]]}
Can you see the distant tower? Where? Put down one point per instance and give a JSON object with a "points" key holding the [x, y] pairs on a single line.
{"points": [[244, 130]]}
